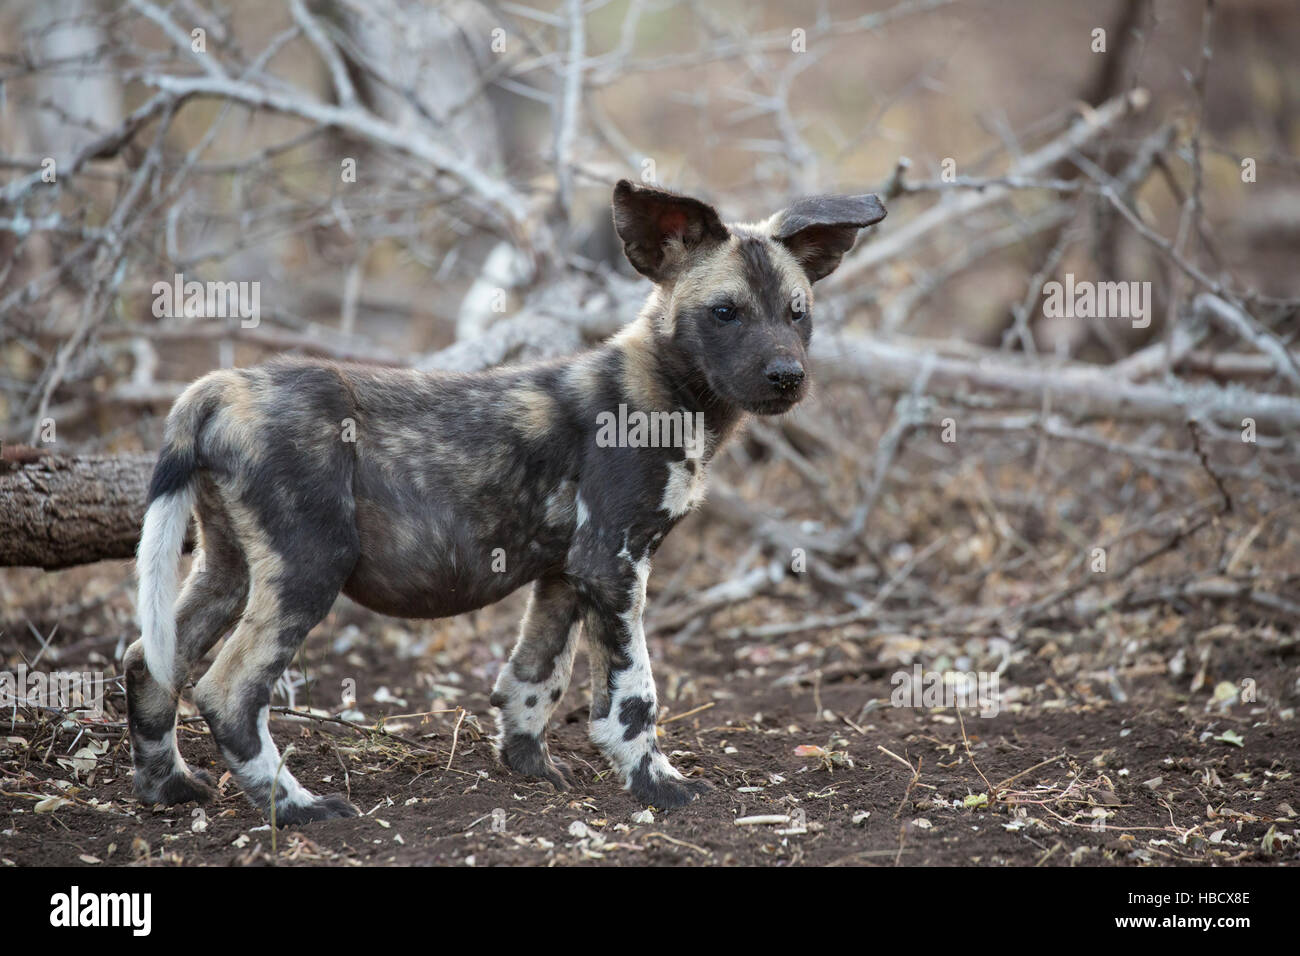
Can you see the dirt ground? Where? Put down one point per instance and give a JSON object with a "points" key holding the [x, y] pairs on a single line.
{"points": [[1080, 772]]}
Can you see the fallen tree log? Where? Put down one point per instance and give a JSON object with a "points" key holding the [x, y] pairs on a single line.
{"points": [[57, 511], [1075, 390]]}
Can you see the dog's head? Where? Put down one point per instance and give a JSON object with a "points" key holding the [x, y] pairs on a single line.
{"points": [[737, 299]]}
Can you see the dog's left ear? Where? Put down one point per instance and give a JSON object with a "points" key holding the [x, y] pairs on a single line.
{"points": [[820, 229]]}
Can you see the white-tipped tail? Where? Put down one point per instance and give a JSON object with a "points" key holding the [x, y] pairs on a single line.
{"points": [[157, 561]]}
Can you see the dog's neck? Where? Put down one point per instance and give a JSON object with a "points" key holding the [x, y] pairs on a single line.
{"points": [[661, 375]]}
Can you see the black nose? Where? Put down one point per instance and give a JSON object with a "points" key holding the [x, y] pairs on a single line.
{"points": [[785, 373]]}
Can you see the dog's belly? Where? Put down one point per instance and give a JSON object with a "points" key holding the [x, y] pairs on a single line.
{"points": [[426, 592], [441, 561], [449, 526], [439, 574]]}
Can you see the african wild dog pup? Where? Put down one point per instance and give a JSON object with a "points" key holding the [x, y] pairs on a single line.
{"points": [[397, 487]]}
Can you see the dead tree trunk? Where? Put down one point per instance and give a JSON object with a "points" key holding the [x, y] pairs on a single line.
{"points": [[56, 511]]}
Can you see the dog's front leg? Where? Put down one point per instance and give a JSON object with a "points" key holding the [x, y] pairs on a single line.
{"points": [[623, 701], [532, 682]]}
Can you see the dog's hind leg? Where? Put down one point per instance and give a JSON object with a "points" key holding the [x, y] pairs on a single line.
{"points": [[532, 682], [289, 595], [209, 605]]}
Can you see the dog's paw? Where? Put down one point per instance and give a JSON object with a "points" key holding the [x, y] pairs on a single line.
{"points": [[668, 793], [528, 756], [331, 807], [566, 774], [191, 786]]}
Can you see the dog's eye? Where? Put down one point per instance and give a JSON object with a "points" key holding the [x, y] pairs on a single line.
{"points": [[798, 315], [724, 313]]}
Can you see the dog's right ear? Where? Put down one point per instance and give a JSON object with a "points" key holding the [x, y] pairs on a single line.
{"points": [[660, 230]]}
